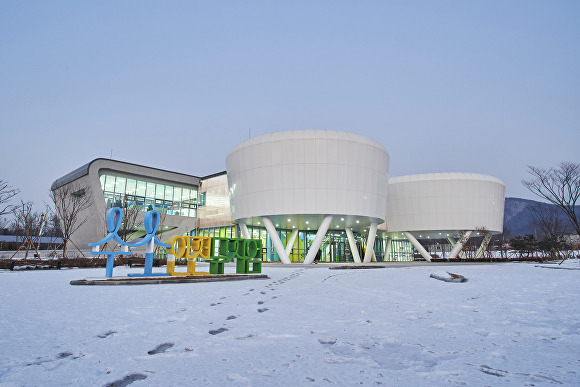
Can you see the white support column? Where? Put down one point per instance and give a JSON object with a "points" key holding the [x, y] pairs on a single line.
{"points": [[418, 246], [459, 245], [244, 230], [290, 242], [276, 240], [483, 245], [452, 241], [388, 249], [318, 239], [371, 242], [352, 244]]}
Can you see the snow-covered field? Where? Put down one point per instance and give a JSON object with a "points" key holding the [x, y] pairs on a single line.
{"points": [[510, 324]]}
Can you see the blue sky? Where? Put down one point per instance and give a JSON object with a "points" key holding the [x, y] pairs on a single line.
{"points": [[448, 86]]}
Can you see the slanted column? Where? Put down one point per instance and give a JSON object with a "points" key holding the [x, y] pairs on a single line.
{"points": [[291, 240], [244, 230], [459, 245], [418, 246], [276, 240], [371, 242], [483, 245], [324, 225], [352, 244], [452, 241]]}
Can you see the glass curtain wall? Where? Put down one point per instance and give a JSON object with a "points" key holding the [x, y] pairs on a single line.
{"points": [[334, 248], [148, 195], [401, 250]]}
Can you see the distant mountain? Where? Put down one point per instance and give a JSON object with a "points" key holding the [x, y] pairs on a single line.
{"points": [[518, 219]]}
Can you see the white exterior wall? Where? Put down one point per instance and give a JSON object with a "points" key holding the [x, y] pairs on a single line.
{"points": [[445, 201], [314, 172]]}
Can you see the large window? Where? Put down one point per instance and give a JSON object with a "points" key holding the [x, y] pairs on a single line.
{"points": [[147, 195]]}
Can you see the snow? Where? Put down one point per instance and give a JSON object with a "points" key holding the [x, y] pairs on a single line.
{"points": [[509, 324]]}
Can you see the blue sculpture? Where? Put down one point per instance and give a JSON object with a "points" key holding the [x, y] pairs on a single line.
{"points": [[114, 220]]}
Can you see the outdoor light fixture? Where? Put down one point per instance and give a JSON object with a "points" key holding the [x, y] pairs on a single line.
{"points": [[289, 220], [357, 221], [307, 222], [342, 219]]}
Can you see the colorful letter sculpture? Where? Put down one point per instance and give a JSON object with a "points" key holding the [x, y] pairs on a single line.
{"points": [[190, 247], [114, 220], [246, 252], [215, 251]]}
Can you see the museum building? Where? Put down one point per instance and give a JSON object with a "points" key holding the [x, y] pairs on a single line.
{"points": [[309, 195]]}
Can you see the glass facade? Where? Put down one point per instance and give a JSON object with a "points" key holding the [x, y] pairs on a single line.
{"points": [[334, 248], [148, 195], [401, 250]]}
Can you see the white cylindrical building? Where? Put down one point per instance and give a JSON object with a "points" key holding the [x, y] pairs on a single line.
{"points": [[445, 205], [308, 180]]}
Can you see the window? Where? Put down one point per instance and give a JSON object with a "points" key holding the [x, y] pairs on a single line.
{"points": [[131, 187], [149, 195]]}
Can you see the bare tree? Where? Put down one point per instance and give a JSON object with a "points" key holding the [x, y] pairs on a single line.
{"points": [[6, 193], [548, 219], [559, 186], [26, 223], [70, 201]]}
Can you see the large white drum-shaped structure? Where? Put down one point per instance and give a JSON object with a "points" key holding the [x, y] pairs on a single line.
{"points": [[440, 205], [312, 179]]}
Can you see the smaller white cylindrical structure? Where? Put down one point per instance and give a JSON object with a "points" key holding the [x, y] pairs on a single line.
{"points": [[318, 239], [275, 240]]}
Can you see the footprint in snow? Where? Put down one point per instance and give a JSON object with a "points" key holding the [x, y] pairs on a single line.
{"points": [[262, 310], [106, 334], [160, 348], [127, 380], [217, 331], [231, 317]]}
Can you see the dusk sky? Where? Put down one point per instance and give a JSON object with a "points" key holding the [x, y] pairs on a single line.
{"points": [[446, 86]]}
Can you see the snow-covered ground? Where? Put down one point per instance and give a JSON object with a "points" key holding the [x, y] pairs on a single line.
{"points": [[509, 324]]}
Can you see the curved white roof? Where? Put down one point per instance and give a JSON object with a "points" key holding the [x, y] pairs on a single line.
{"points": [[444, 176], [307, 134]]}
